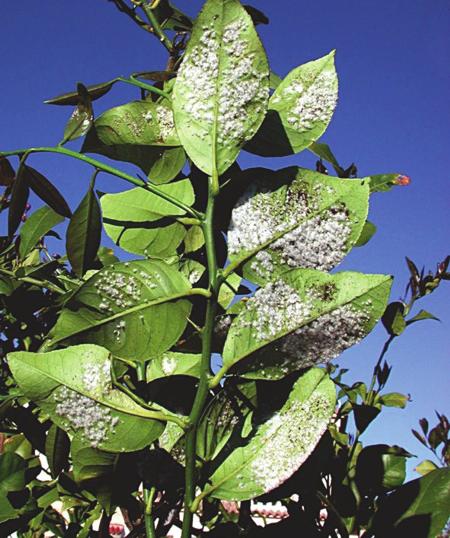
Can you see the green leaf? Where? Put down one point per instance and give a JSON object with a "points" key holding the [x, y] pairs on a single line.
{"points": [[305, 219], [46, 191], [94, 91], [57, 447], [36, 226], [420, 316], [308, 317], [261, 459], [419, 508], [139, 123], [394, 399], [142, 223], [80, 121], [425, 467], [12, 478], [172, 363], [367, 233], [194, 239], [380, 468], [84, 233], [385, 182], [221, 91], [192, 270], [229, 290], [135, 309], [73, 386], [393, 318], [300, 109], [160, 163], [91, 463], [323, 151]]}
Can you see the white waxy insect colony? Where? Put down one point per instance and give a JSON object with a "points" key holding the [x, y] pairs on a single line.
{"points": [[168, 365], [317, 243], [97, 377], [241, 91], [287, 439], [85, 416], [165, 121]]}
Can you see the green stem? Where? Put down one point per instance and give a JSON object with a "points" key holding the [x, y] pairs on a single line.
{"points": [[34, 281], [203, 386], [148, 87], [156, 26], [149, 496], [110, 170], [377, 366]]}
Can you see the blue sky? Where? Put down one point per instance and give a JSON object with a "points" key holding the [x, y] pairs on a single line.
{"points": [[393, 116]]}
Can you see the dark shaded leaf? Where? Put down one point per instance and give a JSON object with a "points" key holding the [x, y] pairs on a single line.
{"points": [[364, 415], [84, 233], [367, 233], [94, 91], [19, 198], [393, 319], [12, 479], [7, 173], [46, 191], [257, 16], [379, 469], [57, 446]]}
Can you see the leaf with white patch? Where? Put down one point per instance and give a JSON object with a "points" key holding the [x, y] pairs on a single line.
{"points": [[261, 459], [136, 309], [300, 109], [297, 218], [173, 363], [304, 318], [221, 92], [142, 223], [73, 386]]}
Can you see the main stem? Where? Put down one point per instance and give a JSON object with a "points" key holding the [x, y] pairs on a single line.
{"points": [[203, 386]]}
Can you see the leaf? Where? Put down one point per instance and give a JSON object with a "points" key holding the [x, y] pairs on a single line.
{"points": [[73, 386], [134, 309], [384, 182], [323, 151], [393, 318], [172, 363], [192, 270], [143, 223], [419, 508], [263, 458], [94, 91], [221, 91], [296, 217], [46, 191], [12, 479], [80, 121], [229, 290], [422, 315], [138, 123], [379, 469], [394, 399], [300, 109], [194, 239], [425, 467], [160, 163], [19, 198], [57, 447], [91, 463], [7, 173], [36, 226], [257, 16], [307, 317], [367, 233], [364, 415], [84, 233]]}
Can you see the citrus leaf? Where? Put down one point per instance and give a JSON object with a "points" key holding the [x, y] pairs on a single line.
{"points": [[419, 508], [57, 447], [425, 467], [367, 233], [134, 309], [84, 233], [80, 121], [172, 363], [300, 109], [46, 191], [7, 173], [36, 226], [73, 386], [274, 449], [142, 223], [12, 478], [95, 91], [19, 198], [221, 91], [305, 219], [138, 123], [308, 317]]}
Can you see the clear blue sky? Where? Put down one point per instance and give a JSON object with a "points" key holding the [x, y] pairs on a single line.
{"points": [[393, 116]]}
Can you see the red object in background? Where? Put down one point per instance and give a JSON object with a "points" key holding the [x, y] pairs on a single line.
{"points": [[402, 180], [117, 530]]}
